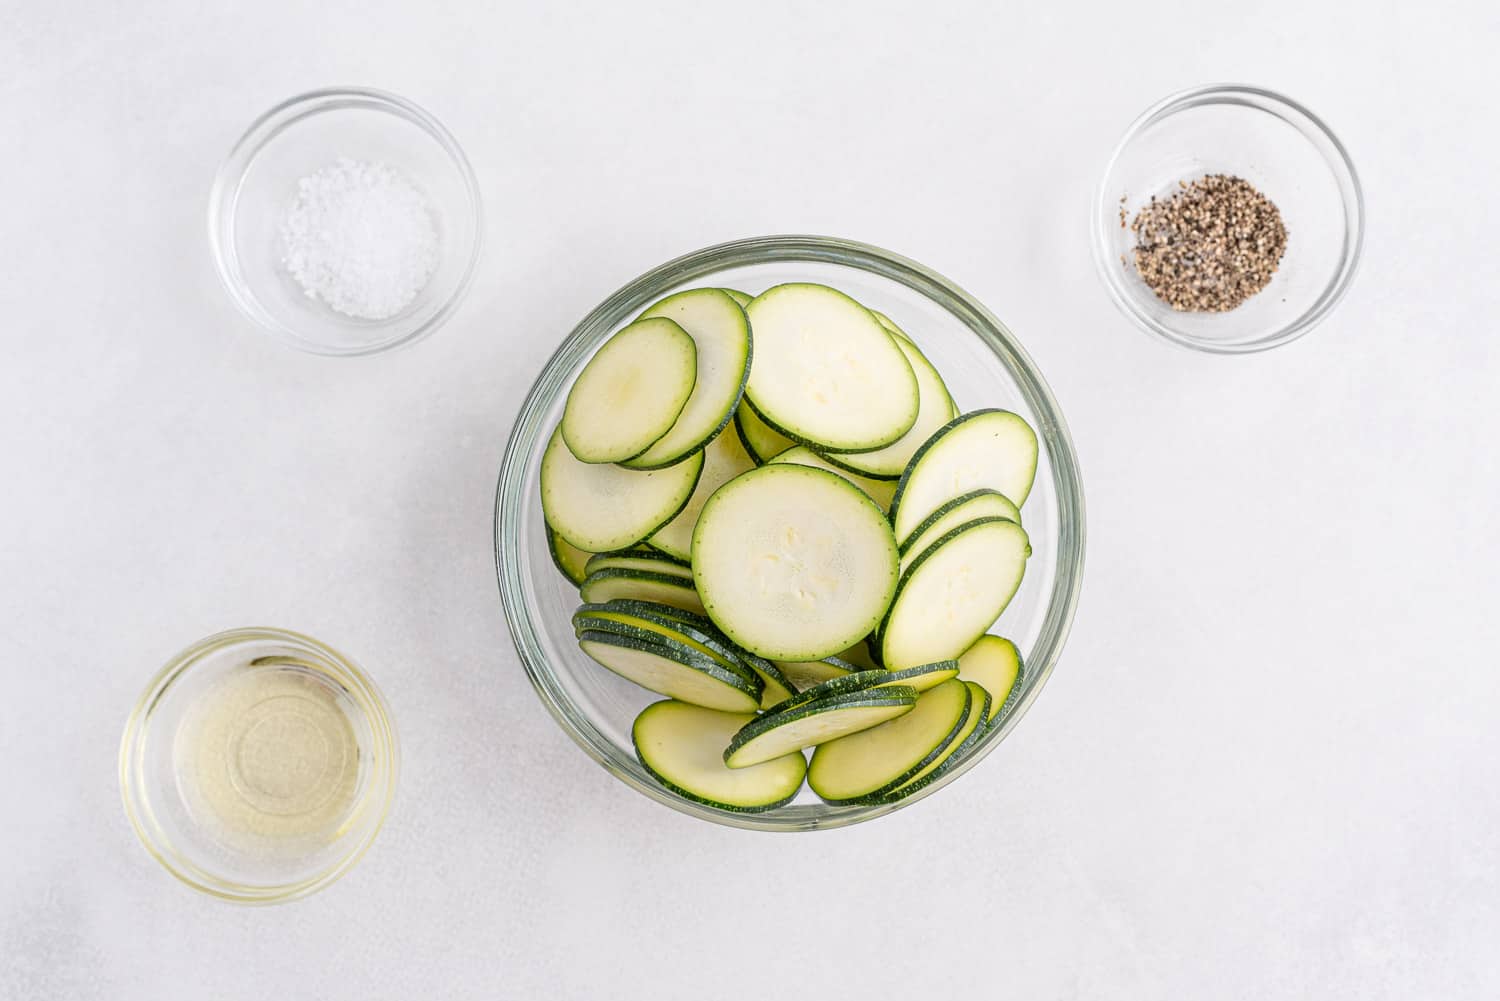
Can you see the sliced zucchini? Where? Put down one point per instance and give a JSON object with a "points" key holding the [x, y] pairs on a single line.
{"points": [[777, 686], [886, 322], [973, 729], [601, 507], [661, 610], [743, 298], [953, 592], [985, 448], [923, 676], [762, 441], [568, 558], [876, 761], [672, 670], [804, 674], [718, 327], [840, 684], [723, 460], [826, 372], [631, 392], [981, 503], [682, 746], [793, 563], [650, 562], [658, 629], [994, 663], [934, 410], [879, 491], [859, 655], [641, 585], [776, 733]]}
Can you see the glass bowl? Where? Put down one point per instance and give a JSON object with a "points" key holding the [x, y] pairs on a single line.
{"points": [[1283, 150], [984, 365], [213, 801], [257, 183]]}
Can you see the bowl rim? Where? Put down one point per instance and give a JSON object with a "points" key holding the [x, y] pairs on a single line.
{"points": [[228, 180], [527, 431], [159, 845], [1316, 132]]}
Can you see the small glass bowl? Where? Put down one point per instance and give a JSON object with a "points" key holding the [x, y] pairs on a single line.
{"points": [[257, 183], [198, 736], [1283, 150], [984, 366]]}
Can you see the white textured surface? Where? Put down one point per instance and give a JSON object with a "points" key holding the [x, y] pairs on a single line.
{"points": [[1269, 764]]}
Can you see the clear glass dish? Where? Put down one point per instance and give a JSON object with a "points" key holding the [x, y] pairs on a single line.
{"points": [[1278, 146], [984, 365], [200, 747], [257, 183]]}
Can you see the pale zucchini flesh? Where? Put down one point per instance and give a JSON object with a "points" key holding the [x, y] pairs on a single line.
{"points": [[761, 441], [776, 733], [976, 504], [777, 687], [631, 392], [953, 593], [986, 448], [968, 735], [661, 631], [994, 663], [721, 333], [805, 674], [672, 671], [601, 507], [641, 585], [880, 491], [570, 561], [649, 562], [878, 760], [935, 408], [723, 460], [743, 298], [826, 372], [682, 747], [793, 563]]}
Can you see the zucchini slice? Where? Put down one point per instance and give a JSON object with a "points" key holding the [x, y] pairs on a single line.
{"points": [[631, 392], [953, 592], [793, 563], [935, 408], [648, 561], [876, 761], [743, 298], [981, 503], [777, 687], [860, 656], [776, 733], [653, 629], [673, 670], [985, 448], [973, 729], [882, 492], [723, 460], [718, 327], [600, 507], [568, 558], [762, 441], [994, 663], [923, 676], [804, 674], [842, 684], [682, 746], [826, 372], [641, 585]]}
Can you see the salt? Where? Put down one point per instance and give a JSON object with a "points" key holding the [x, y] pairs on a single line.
{"points": [[360, 237]]}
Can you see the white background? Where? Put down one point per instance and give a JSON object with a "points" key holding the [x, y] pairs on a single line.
{"points": [[1268, 764]]}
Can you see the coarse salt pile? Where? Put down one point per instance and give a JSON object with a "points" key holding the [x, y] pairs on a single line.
{"points": [[360, 237]]}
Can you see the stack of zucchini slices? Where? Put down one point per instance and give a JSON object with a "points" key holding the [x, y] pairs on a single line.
{"points": [[801, 546]]}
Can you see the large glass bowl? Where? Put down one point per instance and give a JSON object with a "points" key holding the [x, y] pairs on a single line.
{"points": [[984, 366]]}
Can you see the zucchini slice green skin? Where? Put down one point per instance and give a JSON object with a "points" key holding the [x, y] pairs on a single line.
{"points": [[778, 687], [570, 561], [973, 730], [680, 745], [793, 563], [666, 633], [630, 392], [676, 671], [601, 508], [985, 502], [850, 388], [721, 332], [805, 674], [653, 609], [854, 681], [773, 734], [994, 663], [924, 735], [642, 585], [923, 676], [1006, 540], [983, 448], [645, 562], [762, 442]]}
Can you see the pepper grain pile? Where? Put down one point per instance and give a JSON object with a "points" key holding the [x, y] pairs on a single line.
{"points": [[1216, 242]]}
